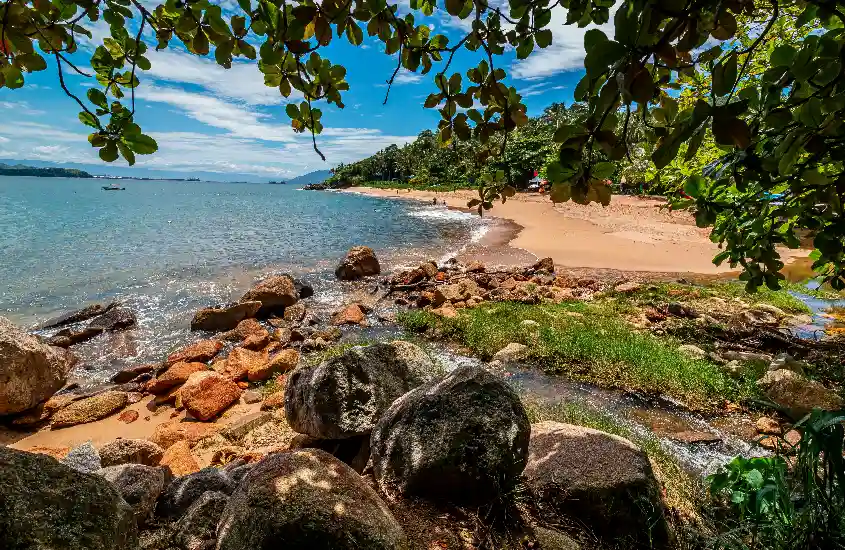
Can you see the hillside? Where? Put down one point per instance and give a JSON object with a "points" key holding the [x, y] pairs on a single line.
{"points": [[311, 177], [23, 170]]}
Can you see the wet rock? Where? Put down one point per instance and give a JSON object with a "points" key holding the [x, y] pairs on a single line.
{"points": [[139, 485], [692, 351], [83, 458], [174, 376], [179, 459], [241, 361], [345, 395], [182, 492], [30, 372], [544, 264], [792, 391], [130, 451], [197, 529], [117, 318], [72, 336], [295, 313], [512, 353], [768, 426], [131, 373], [170, 433], [627, 287], [350, 315], [303, 288], [275, 293], [693, 436], [215, 319], [461, 438], [429, 268], [598, 478], [245, 329], [47, 505], [198, 352], [89, 409], [207, 394], [359, 262], [79, 315], [296, 497], [278, 363]]}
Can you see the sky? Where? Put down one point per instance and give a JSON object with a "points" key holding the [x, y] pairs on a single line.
{"points": [[225, 125]]}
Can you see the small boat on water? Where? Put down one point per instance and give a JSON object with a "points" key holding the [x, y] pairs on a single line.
{"points": [[113, 187]]}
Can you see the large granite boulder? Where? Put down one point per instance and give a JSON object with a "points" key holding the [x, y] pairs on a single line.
{"points": [[600, 479], [306, 499], [30, 372], [83, 458], [117, 318], [800, 395], [139, 485], [275, 293], [183, 491], [174, 376], [461, 438], [130, 451], [90, 409], [47, 505], [216, 319], [197, 528], [359, 262], [344, 396], [79, 315], [198, 352], [71, 336], [206, 394]]}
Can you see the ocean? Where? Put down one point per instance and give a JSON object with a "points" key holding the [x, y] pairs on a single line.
{"points": [[167, 248]]}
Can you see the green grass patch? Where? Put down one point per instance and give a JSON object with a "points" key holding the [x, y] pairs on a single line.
{"points": [[591, 343]]}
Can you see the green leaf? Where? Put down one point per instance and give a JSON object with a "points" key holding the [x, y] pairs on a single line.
{"points": [[561, 192], [454, 7], [724, 75], [141, 144], [694, 185], [604, 170], [603, 54], [88, 119], [754, 479], [98, 98], [593, 37], [783, 55], [108, 153], [543, 38], [126, 152], [354, 34], [13, 77]]}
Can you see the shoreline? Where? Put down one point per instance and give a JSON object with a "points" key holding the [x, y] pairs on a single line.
{"points": [[633, 237]]}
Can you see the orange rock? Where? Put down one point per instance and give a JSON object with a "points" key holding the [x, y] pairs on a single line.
{"points": [[446, 311], [241, 361], [169, 433], [129, 416], [245, 329], [179, 459], [199, 352], [351, 315], [207, 394], [257, 341], [243, 385], [280, 362], [273, 401], [56, 452], [441, 276], [174, 376]]}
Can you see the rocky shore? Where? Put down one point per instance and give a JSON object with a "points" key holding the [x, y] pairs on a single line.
{"points": [[271, 429]]}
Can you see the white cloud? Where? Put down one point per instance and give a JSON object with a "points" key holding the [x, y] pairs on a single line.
{"points": [[566, 52], [19, 108], [407, 77], [4, 139], [48, 150]]}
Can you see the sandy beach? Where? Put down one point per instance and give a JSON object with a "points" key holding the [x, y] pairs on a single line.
{"points": [[631, 234]]}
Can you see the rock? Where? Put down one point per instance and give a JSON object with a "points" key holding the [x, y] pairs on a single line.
{"points": [[770, 309], [83, 458], [308, 499], [47, 505], [512, 353], [694, 436], [681, 310], [295, 313], [30, 372], [215, 319], [89, 409], [462, 438], [130, 451], [792, 391], [627, 287], [462, 290], [273, 401], [197, 529], [198, 352], [552, 539], [446, 311], [275, 293], [475, 267], [303, 288], [129, 416], [79, 315], [279, 363], [174, 376], [350, 315], [283, 335], [245, 329], [179, 459], [56, 452], [241, 361], [131, 373], [692, 351], [117, 318], [768, 426], [72, 336], [732, 355], [429, 268], [786, 361], [139, 485], [207, 394], [252, 396], [236, 430], [359, 262], [544, 264], [182, 492], [603, 480], [166, 435], [345, 395]]}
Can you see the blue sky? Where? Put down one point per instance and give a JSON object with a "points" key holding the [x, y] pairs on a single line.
{"points": [[226, 125]]}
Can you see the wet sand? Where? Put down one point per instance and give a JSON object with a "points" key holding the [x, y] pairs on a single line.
{"points": [[632, 234]]}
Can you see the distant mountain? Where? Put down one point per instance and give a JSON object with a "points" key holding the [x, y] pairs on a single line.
{"points": [[47, 172], [310, 177]]}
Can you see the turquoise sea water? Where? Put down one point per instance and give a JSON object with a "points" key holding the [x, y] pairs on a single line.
{"points": [[167, 248]]}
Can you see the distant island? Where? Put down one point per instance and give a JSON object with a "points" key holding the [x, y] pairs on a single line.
{"points": [[277, 182], [23, 170]]}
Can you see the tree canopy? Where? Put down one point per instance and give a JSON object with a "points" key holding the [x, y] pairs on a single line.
{"points": [[758, 83]]}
